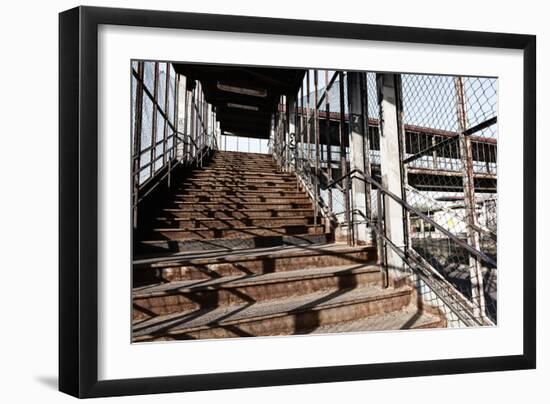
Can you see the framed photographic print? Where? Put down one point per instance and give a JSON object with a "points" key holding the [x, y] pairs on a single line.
{"points": [[251, 201]]}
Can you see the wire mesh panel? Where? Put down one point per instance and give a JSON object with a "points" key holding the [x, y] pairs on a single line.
{"points": [[449, 128]]}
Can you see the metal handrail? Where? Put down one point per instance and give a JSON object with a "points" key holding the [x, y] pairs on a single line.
{"points": [[420, 214], [478, 228]]}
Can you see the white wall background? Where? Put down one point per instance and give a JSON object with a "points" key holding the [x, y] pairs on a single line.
{"points": [[28, 206]]}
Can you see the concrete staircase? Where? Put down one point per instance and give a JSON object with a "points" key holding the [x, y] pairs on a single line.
{"points": [[236, 251]]}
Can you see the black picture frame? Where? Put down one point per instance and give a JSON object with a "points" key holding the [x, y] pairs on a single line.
{"points": [[78, 203]]}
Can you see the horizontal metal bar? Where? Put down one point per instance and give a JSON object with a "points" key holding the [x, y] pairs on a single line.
{"points": [[427, 150], [451, 139], [481, 126]]}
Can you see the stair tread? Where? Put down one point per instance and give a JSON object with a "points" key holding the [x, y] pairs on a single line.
{"points": [[212, 240], [250, 311], [247, 210], [406, 318], [247, 280], [266, 227], [225, 256], [236, 203], [214, 219]]}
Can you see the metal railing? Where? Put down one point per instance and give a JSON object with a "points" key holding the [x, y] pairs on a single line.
{"points": [[186, 158], [462, 305]]}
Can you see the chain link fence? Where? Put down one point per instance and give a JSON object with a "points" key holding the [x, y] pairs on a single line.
{"points": [[450, 172]]}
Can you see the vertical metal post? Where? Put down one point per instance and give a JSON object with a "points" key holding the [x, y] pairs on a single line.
{"points": [[328, 138], [187, 134], [343, 162], [300, 139], [366, 140], [154, 121], [291, 136], [434, 153], [192, 123], [404, 169], [166, 153], [476, 276], [175, 107], [201, 121], [316, 132], [357, 158], [308, 122], [381, 261], [137, 141]]}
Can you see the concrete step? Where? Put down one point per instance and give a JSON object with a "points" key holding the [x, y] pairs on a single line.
{"points": [[273, 193], [174, 297], [302, 199], [213, 186], [237, 162], [237, 214], [242, 171], [220, 175], [223, 153], [243, 166], [160, 247], [241, 206], [239, 183], [212, 223], [296, 315], [256, 261], [231, 158], [408, 318], [192, 233]]}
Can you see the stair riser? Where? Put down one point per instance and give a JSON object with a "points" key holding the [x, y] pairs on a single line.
{"points": [[236, 180], [237, 214], [171, 246], [242, 166], [209, 193], [147, 307], [202, 207], [243, 171], [216, 224], [435, 324], [174, 234], [265, 158], [236, 159], [293, 323], [220, 179], [213, 186], [167, 272], [243, 176], [245, 199]]}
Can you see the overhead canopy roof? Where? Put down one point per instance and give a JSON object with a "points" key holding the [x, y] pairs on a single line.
{"points": [[244, 97]]}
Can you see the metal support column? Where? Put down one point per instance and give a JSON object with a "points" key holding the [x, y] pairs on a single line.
{"points": [[343, 163], [476, 275], [357, 159], [390, 167], [317, 141], [291, 134], [328, 138], [181, 115]]}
